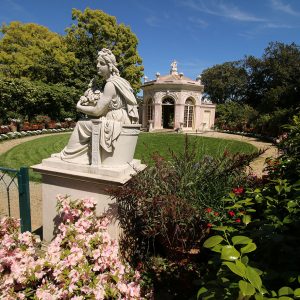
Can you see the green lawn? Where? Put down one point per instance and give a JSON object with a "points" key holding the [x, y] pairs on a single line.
{"points": [[32, 152]]}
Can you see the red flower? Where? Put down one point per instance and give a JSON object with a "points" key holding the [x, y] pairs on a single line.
{"points": [[140, 266], [238, 191], [208, 210], [231, 213], [238, 220], [216, 213], [208, 225]]}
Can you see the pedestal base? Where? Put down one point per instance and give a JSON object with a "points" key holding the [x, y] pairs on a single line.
{"points": [[80, 181]]}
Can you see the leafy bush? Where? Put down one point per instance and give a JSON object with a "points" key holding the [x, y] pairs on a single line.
{"points": [[22, 97], [162, 209], [258, 257]]}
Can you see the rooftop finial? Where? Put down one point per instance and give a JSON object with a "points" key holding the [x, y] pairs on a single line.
{"points": [[174, 68]]}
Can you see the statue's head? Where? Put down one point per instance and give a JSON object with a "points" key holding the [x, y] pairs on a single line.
{"points": [[105, 55]]}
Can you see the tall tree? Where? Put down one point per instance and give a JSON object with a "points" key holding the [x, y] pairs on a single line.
{"points": [[93, 30], [225, 82], [33, 51], [274, 80]]}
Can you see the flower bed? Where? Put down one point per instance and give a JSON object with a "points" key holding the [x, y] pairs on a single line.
{"points": [[82, 262], [16, 134]]}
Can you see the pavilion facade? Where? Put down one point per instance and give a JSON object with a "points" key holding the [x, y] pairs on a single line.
{"points": [[174, 101]]}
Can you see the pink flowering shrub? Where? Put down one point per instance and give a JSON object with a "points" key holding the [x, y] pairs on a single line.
{"points": [[82, 262]]}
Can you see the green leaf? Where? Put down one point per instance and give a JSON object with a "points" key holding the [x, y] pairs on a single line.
{"points": [[213, 241], [259, 297], [238, 269], [240, 239], [253, 277], [249, 248], [285, 291], [201, 291], [287, 220], [229, 253], [221, 228], [291, 204], [245, 260], [217, 248], [246, 219], [246, 288], [297, 293], [278, 188], [285, 298]]}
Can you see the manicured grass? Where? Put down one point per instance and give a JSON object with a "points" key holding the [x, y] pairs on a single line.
{"points": [[32, 152], [148, 143]]}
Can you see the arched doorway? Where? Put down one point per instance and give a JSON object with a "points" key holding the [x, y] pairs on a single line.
{"points": [[168, 108]]}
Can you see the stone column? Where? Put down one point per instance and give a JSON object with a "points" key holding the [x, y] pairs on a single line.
{"points": [[157, 116]]}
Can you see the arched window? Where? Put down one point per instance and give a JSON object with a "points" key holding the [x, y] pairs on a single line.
{"points": [[150, 110], [188, 114]]}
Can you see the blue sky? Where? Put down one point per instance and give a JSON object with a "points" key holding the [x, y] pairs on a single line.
{"points": [[196, 33]]}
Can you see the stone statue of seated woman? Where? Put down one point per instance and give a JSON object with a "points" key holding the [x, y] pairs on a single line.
{"points": [[114, 107]]}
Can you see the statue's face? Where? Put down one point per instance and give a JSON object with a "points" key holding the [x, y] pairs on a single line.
{"points": [[103, 68]]}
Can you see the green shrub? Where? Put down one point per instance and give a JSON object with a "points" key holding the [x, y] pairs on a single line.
{"points": [[258, 257], [162, 209]]}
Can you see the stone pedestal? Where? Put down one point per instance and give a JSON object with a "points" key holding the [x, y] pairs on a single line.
{"points": [[81, 181]]}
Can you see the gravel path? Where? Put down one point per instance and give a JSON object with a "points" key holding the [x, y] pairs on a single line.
{"points": [[36, 192], [35, 188], [258, 164]]}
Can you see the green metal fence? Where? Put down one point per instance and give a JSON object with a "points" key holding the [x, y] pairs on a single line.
{"points": [[20, 179]]}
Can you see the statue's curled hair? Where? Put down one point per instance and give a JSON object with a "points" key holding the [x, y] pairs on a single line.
{"points": [[110, 59]]}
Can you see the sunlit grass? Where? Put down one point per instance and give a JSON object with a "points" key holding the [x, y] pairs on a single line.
{"points": [[32, 152]]}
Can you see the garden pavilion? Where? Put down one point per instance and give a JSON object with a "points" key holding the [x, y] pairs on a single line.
{"points": [[174, 101]]}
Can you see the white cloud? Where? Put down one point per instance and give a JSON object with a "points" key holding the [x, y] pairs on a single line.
{"points": [[278, 26], [222, 9], [153, 21], [286, 8], [198, 22]]}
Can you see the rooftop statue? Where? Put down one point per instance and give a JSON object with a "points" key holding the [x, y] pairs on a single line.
{"points": [[115, 106], [174, 67]]}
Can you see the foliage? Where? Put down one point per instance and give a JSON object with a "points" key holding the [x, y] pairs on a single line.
{"points": [[290, 145], [94, 30], [163, 206], [274, 213], [33, 51], [42, 72], [268, 233], [235, 116], [22, 97], [225, 82], [270, 85], [273, 80], [82, 262]]}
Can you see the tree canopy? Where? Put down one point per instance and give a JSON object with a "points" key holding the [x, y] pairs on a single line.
{"points": [[33, 51], [225, 82], [270, 85], [40, 69], [94, 30]]}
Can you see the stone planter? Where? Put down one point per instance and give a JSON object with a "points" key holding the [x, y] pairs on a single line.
{"points": [[124, 148]]}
